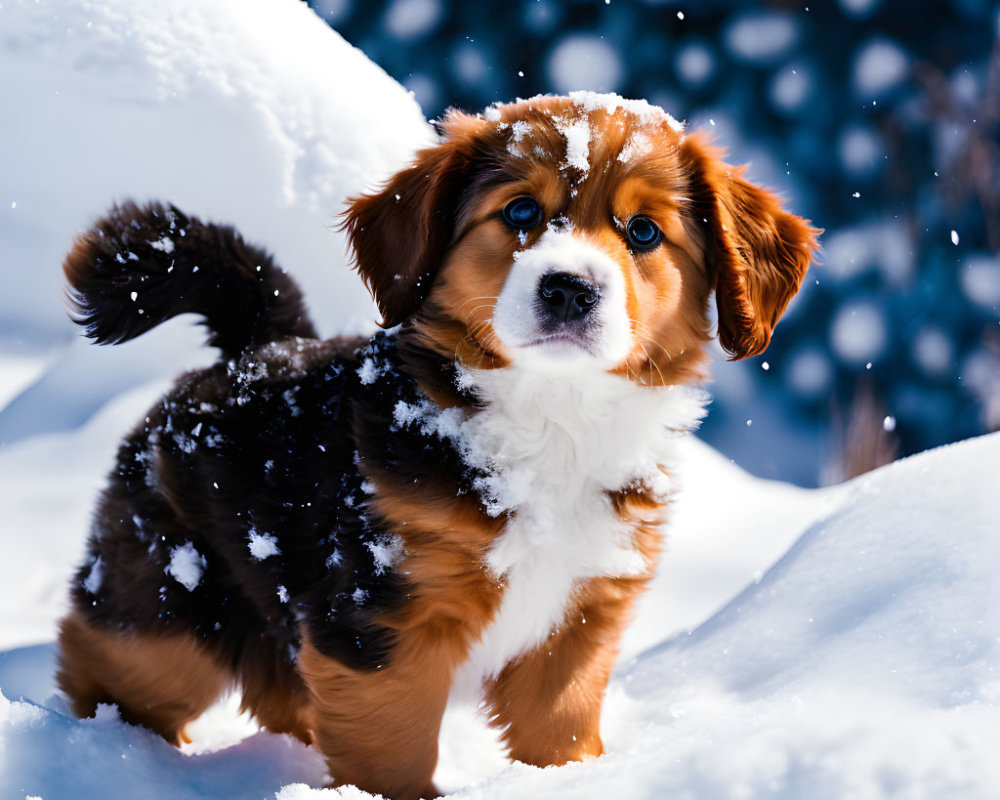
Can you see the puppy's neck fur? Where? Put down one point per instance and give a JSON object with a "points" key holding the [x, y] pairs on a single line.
{"points": [[558, 445]]}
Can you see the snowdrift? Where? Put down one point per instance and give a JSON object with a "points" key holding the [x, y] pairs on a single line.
{"points": [[840, 643]]}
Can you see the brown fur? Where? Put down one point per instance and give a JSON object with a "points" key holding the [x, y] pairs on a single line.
{"points": [[761, 252], [548, 702], [162, 682]]}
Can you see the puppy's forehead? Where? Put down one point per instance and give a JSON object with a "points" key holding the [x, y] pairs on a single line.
{"points": [[592, 143]]}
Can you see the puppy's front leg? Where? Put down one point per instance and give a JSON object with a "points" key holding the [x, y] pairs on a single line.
{"points": [[379, 729], [548, 702]]}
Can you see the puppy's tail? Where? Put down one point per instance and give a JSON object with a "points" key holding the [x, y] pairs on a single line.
{"points": [[141, 265]]}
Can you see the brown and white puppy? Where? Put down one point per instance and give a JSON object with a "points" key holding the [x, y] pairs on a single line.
{"points": [[346, 528]]}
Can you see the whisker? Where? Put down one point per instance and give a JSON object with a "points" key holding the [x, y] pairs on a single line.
{"points": [[485, 305], [474, 299], [629, 369], [657, 344], [652, 363]]}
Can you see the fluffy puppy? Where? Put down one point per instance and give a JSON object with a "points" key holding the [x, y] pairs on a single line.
{"points": [[345, 528]]}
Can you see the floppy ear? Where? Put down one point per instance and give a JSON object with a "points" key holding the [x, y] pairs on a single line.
{"points": [[400, 233], [760, 251]]}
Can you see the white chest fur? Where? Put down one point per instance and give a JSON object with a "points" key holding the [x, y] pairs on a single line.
{"points": [[554, 446]]}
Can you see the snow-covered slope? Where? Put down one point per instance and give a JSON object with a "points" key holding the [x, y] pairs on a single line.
{"points": [[247, 111], [855, 654]]}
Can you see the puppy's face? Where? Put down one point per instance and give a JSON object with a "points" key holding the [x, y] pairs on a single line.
{"points": [[578, 234]]}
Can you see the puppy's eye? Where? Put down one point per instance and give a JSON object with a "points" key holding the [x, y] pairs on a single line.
{"points": [[642, 233], [522, 213]]}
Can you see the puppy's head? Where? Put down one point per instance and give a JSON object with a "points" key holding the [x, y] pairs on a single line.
{"points": [[578, 233]]}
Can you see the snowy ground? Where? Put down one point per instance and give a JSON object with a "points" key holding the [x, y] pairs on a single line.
{"points": [[840, 643]]}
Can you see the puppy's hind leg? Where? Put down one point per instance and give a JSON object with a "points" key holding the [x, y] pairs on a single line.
{"points": [[161, 681]]}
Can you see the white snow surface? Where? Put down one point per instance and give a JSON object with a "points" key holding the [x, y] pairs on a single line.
{"points": [[841, 643], [251, 112]]}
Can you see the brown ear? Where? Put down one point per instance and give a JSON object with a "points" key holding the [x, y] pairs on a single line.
{"points": [[760, 251], [401, 233]]}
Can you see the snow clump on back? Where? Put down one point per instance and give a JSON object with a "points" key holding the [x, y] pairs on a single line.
{"points": [[186, 565], [262, 545]]}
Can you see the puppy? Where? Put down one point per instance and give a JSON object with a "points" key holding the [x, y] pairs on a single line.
{"points": [[344, 528]]}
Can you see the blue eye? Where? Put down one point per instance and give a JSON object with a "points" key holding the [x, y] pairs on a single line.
{"points": [[642, 233], [522, 213]]}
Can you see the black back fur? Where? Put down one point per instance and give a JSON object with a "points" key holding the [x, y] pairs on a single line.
{"points": [[239, 507]]}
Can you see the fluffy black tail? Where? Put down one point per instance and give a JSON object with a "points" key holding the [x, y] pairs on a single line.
{"points": [[141, 265]]}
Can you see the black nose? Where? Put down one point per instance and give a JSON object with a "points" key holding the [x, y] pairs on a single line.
{"points": [[566, 297]]}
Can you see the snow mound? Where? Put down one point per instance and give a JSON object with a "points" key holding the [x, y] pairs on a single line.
{"points": [[50, 755], [245, 111]]}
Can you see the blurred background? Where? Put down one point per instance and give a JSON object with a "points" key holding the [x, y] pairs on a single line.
{"points": [[876, 119]]}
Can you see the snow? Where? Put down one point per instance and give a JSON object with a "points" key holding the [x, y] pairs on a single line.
{"points": [[411, 19], [695, 63], [166, 244], [980, 280], [578, 133], [367, 372], [635, 148], [833, 644], [519, 130], [859, 149], [933, 351], [186, 565], [791, 86], [19, 370], [386, 553], [879, 66], [262, 545], [577, 136], [611, 102], [585, 62], [881, 245], [762, 37], [92, 583], [858, 333]]}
